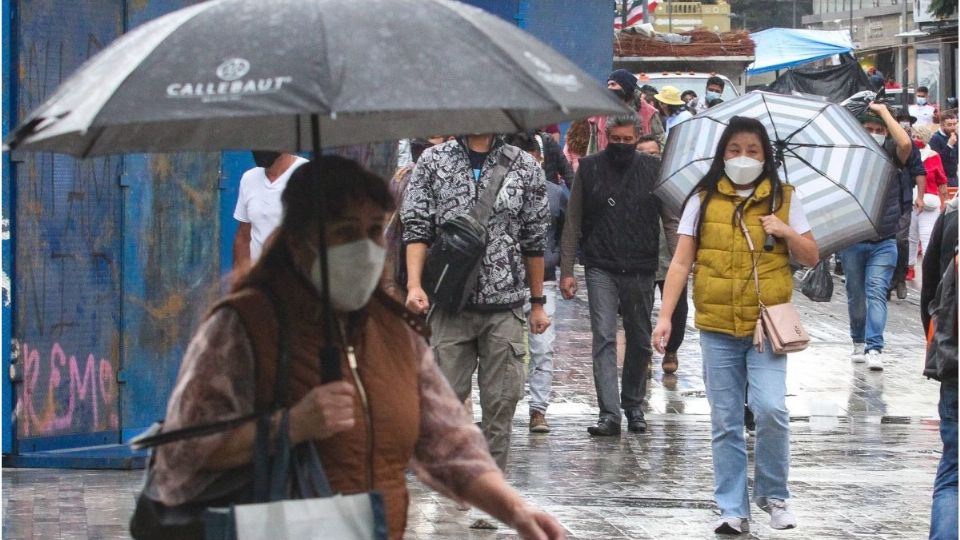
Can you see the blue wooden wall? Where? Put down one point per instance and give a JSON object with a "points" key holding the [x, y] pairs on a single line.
{"points": [[109, 263]]}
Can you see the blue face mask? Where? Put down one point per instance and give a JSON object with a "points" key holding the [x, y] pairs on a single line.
{"points": [[921, 101], [712, 95]]}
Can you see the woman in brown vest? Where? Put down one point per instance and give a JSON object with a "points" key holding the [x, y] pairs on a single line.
{"points": [[741, 195], [393, 407]]}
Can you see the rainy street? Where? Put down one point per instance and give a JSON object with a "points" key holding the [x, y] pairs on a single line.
{"points": [[864, 451]]}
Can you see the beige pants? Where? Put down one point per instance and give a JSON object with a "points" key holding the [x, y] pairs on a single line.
{"points": [[491, 343]]}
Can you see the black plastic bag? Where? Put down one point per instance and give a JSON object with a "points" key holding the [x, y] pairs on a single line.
{"points": [[818, 283]]}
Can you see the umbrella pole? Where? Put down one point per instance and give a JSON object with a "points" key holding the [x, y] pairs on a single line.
{"points": [[329, 354]]}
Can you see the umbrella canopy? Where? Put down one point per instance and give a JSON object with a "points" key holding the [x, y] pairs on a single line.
{"points": [[241, 74], [840, 173]]}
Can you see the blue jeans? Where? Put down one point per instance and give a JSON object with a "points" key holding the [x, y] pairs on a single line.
{"points": [[943, 518], [868, 268], [730, 363], [540, 377], [632, 295]]}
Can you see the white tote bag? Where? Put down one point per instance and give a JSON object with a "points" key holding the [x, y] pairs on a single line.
{"points": [[340, 517]]}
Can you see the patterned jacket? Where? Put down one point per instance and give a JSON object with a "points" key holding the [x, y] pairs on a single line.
{"points": [[442, 187]]}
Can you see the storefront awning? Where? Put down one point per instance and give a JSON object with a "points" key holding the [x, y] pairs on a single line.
{"points": [[781, 48]]}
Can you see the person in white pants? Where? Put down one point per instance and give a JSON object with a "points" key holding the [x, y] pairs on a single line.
{"points": [[927, 207]]}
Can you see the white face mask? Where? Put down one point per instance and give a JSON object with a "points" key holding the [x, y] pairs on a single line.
{"points": [[355, 271], [879, 137], [742, 169]]}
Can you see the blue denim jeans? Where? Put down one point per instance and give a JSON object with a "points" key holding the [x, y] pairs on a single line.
{"points": [[730, 363], [868, 268], [540, 377], [943, 518], [632, 295]]}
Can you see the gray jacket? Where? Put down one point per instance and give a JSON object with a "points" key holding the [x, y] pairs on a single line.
{"points": [[442, 187]]}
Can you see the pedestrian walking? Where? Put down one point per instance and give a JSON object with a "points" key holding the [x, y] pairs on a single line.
{"points": [[741, 194], [938, 298], [615, 220], [626, 87], [715, 86], [670, 363], [488, 334], [925, 112], [393, 405], [869, 266], [911, 178], [672, 109], [944, 142], [540, 373], [930, 200], [258, 203], [556, 168]]}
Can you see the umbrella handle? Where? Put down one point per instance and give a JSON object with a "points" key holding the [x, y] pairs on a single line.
{"points": [[768, 243]]}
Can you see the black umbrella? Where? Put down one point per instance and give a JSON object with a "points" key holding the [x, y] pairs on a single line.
{"points": [[288, 74]]}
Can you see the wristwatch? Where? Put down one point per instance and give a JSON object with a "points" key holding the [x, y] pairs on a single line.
{"points": [[542, 300]]}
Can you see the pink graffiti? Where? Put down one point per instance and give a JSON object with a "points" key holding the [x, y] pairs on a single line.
{"points": [[74, 399]]}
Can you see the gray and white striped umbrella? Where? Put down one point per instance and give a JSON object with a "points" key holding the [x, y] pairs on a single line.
{"points": [[241, 74], [840, 173]]}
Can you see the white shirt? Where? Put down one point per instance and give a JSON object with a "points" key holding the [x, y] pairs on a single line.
{"points": [[676, 119], [259, 204], [797, 218], [923, 114]]}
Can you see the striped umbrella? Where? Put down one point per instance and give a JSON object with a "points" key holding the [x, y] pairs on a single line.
{"points": [[840, 173]]}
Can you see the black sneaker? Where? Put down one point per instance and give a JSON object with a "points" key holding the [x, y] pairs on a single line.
{"points": [[636, 422], [604, 428], [902, 290]]}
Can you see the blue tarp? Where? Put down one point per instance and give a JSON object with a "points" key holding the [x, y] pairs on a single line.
{"points": [[781, 48]]}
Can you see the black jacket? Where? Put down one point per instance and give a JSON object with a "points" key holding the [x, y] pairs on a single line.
{"points": [[941, 365], [620, 229], [556, 168]]}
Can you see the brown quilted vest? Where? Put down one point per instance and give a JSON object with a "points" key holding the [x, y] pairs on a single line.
{"points": [[383, 340]]}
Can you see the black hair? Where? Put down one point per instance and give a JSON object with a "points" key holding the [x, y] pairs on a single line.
{"points": [[923, 89], [687, 93], [717, 81], [648, 89], [650, 138], [524, 140], [673, 109], [708, 184], [949, 115]]}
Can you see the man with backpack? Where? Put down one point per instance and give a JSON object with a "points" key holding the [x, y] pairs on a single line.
{"points": [[938, 310]]}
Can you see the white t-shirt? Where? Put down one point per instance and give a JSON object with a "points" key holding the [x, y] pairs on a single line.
{"points": [[691, 215], [923, 114], [259, 204]]}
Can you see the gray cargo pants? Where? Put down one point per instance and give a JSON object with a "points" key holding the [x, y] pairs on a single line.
{"points": [[491, 343]]}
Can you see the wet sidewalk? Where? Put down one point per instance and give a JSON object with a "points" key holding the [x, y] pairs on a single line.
{"points": [[864, 451]]}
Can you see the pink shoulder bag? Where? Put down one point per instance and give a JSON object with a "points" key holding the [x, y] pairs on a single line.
{"points": [[780, 323]]}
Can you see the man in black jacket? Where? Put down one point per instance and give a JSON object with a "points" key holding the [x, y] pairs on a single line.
{"points": [[942, 363], [615, 220]]}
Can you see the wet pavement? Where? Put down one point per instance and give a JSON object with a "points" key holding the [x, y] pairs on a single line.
{"points": [[864, 451]]}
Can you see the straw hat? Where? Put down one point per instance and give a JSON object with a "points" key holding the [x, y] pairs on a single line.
{"points": [[669, 95]]}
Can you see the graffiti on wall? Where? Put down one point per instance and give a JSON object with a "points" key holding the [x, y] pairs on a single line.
{"points": [[63, 393]]}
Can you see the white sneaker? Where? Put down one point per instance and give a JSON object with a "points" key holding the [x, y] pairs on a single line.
{"points": [[874, 360], [857, 354], [780, 515], [731, 525]]}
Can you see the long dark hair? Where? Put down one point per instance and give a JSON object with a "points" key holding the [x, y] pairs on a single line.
{"points": [[708, 184], [342, 182]]}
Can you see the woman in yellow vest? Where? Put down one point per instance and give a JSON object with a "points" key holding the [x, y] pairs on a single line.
{"points": [[742, 183]]}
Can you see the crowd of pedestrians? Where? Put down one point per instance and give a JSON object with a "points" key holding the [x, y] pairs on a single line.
{"points": [[543, 208]]}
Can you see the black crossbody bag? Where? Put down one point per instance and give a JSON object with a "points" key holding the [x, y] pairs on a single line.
{"points": [[453, 261]]}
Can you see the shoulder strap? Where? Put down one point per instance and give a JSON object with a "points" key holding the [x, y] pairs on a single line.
{"points": [[155, 436], [508, 156], [754, 256]]}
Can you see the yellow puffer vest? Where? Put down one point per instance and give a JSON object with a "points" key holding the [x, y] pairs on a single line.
{"points": [[723, 291]]}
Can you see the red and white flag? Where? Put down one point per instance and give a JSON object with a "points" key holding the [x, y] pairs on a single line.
{"points": [[635, 14]]}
